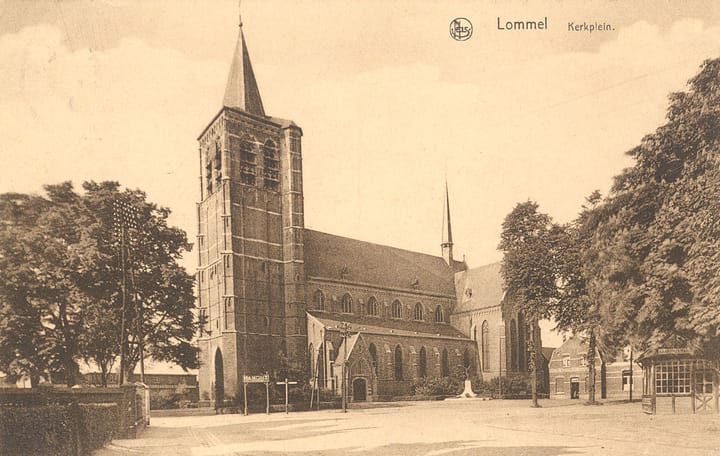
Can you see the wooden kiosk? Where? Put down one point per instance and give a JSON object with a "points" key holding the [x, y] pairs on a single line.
{"points": [[679, 380]]}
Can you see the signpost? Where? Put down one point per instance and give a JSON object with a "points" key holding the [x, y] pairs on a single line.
{"points": [[344, 333], [287, 384], [264, 378]]}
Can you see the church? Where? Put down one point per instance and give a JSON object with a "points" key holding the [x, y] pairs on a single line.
{"points": [[275, 297]]}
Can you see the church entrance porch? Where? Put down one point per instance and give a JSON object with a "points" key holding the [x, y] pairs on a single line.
{"points": [[359, 390]]}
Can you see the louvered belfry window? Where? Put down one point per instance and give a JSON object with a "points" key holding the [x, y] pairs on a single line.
{"points": [[271, 166], [247, 162]]}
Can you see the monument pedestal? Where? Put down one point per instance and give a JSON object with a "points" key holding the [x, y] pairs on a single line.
{"points": [[468, 392]]}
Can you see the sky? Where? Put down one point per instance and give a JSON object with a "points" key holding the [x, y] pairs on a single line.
{"points": [[390, 105]]}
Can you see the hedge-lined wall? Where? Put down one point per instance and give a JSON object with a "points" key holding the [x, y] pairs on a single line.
{"points": [[69, 421], [56, 429]]}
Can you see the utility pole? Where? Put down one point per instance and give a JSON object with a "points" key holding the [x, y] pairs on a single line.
{"points": [[500, 361], [124, 217], [344, 332]]}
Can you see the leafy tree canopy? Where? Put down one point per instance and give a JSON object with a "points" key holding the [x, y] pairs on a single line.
{"points": [[61, 275], [657, 244]]}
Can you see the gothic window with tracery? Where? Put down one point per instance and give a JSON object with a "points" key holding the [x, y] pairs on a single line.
{"points": [[319, 300], [396, 309], [445, 365], [372, 306], [439, 317], [422, 364], [347, 304], [398, 363], [418, 312]]}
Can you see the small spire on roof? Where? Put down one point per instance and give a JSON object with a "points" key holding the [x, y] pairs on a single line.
{"points": [[447, 242]]}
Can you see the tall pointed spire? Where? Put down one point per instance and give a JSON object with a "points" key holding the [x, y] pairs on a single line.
{"points": [[242, 91], [447, 242]]}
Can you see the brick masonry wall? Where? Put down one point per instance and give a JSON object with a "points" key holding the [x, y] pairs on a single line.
{"points": [[361, 294], [382, 379]]}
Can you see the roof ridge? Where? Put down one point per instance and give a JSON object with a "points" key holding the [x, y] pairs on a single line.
{"points": [[380, 245]]}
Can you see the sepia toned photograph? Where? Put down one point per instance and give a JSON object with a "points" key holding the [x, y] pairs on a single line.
{"points": [[344, 227]]}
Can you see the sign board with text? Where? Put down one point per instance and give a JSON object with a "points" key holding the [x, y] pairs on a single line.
{"points": [[265, 378]]}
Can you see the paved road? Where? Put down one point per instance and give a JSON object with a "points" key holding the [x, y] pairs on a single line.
{"points": [[453, 427]]}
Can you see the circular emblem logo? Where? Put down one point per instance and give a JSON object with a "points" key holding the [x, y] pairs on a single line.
{"points": [[461, 29]]}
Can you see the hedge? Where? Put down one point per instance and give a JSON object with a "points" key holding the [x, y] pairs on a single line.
{"points": [[56, 429], [98, 423]]}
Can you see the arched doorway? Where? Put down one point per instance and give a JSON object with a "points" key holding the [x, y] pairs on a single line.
{"points": [[359, 386], [219, 379]]}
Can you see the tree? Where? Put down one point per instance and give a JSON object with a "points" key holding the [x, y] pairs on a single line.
{"points": [[41, 319], [61, 276], [581, 289], [159, 310], [528, 270], [661, 234]]}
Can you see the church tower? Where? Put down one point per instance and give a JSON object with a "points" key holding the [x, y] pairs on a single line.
{"points": [[251, 275]]}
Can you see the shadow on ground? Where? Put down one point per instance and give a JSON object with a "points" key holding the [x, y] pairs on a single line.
{"points": [[456, 448], [285, 430]]}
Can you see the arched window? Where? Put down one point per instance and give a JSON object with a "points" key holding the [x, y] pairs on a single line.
{"points": [[485, 346], [398, 363], [445, 365], [319, 300], [513, 345], [271, 166], [373, 356], [521, 343], [422, 364], [347, 303], [396, 309], [372, 307], [439, 317], [418, 311], [247, 161]]}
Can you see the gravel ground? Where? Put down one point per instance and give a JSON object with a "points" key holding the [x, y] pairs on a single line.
{"points": [[451, 427]]}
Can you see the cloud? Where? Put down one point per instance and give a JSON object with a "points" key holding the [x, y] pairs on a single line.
{"points": [[550, 126], [130, 113]]}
